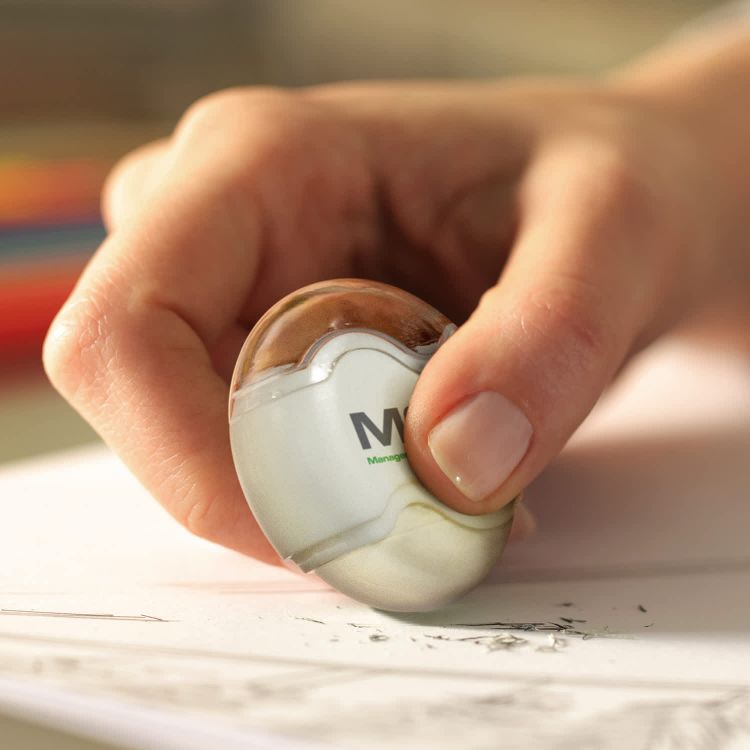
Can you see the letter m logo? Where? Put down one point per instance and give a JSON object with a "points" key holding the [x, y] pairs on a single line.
{"points": [[363, 424]]}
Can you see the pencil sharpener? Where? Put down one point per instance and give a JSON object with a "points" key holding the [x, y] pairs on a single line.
{"points": [[317, 408]]}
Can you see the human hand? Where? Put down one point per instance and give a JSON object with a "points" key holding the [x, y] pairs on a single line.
{"points": [[594, 209]]}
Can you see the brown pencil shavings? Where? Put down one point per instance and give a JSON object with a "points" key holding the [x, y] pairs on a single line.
{"points": [[536, 627], [358, 625], [566, 628]]}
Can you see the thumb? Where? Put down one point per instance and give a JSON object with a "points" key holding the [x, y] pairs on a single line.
{"points": [[501, 397]]}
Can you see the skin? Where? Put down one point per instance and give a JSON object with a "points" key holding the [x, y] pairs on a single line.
{"points": [[565, 224]]}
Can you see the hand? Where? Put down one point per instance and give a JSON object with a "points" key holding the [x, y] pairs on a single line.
{"points": [[589, 205]]}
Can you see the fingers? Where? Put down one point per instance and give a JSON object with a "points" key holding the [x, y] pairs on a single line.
{"points": [[131, 347], [502, 396]]}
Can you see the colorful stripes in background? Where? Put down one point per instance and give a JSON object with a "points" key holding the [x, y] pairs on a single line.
{"points": [[49, 226]]}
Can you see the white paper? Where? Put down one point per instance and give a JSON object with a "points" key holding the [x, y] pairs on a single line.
{"points": [[182, 641]]}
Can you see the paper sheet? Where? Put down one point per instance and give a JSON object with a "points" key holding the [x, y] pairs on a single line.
{"points": [[116, 623]]}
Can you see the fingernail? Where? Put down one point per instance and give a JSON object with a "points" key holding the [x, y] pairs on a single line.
{"points": [[480, 443]]}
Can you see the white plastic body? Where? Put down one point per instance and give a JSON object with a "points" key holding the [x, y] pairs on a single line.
{"points": [[320, 456]]}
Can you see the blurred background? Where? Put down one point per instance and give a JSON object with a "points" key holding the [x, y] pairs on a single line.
{"points": [[84, 81]]}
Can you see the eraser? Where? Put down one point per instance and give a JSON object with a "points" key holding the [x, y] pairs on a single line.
{"points": [[317, 407]]}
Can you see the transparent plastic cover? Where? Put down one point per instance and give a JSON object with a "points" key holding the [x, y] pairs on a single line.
{"points": [[286, 337]]}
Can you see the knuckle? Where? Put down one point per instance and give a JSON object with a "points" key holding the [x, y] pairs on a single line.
{"points": [[214, 113], [569, 315], [252, 137], [211, 110], [116, 175], [204, 514], [77, 347], [618, 180], [613, 183], [197, 518], [127, 163], [127, 178], [182, 495]]}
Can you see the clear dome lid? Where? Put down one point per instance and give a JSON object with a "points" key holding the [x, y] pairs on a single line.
{"points": [[288, 335]]}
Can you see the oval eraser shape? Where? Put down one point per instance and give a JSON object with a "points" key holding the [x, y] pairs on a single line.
{"points": [[317, 408]]}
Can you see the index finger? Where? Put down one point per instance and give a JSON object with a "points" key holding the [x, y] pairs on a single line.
{"points": [[131, 348]]}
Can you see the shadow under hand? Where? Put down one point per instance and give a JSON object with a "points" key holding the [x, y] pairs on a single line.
{"points": [[632, 536]]}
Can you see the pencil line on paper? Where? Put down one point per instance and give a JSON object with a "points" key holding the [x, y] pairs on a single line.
{"points": [[79, 615]]}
